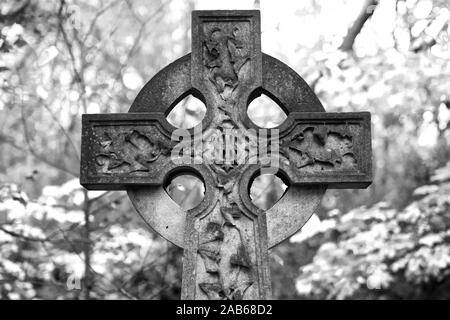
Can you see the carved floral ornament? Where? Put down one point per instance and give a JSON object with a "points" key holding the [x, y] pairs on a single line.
{"points": [[317, 147], [224, 55]]}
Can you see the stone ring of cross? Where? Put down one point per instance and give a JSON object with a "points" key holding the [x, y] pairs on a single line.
{"points": [[226, 238]]}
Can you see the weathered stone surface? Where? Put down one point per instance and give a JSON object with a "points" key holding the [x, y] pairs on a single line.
{"points": [[328, 148], [226, 238]]}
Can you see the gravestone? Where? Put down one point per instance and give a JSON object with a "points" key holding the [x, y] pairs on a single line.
{"points": [[226, 238]]}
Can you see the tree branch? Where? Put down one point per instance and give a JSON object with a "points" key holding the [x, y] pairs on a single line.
{"points": [[33, 152], [24, 237], [355, 29]]}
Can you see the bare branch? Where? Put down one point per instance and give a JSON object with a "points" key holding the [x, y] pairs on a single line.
{"points": [[106, 205], [64, 131], [79, 77], [24, 237], [97, 16], [355, 29], [118, 289], [138, 37], [50, 238], [33, 152]]}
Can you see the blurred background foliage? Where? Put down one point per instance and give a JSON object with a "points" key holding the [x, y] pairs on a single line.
{"points": [[60, 59]]}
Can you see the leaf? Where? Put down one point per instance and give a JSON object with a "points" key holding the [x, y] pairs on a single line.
{"points": [[5, 47], [238, 292], [230, 213], [241, 258], [20, 42], [442, 174], [210, 254], [424, 190], [214, 291], [212, 233]]}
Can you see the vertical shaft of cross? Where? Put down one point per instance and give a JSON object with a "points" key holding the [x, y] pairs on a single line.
{"points": [[226, 248], [226, 257]]}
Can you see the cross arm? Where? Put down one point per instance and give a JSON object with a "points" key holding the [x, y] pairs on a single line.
{"points": [[120, 150], [328, 148]]}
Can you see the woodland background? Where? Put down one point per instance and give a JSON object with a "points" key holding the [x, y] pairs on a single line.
{"points": [[60, 59]]}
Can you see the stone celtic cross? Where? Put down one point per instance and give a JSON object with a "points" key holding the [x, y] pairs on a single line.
{"points": [[226, 238]]}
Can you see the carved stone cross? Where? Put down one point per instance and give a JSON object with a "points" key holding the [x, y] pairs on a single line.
{"points": [[226, 238]]}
